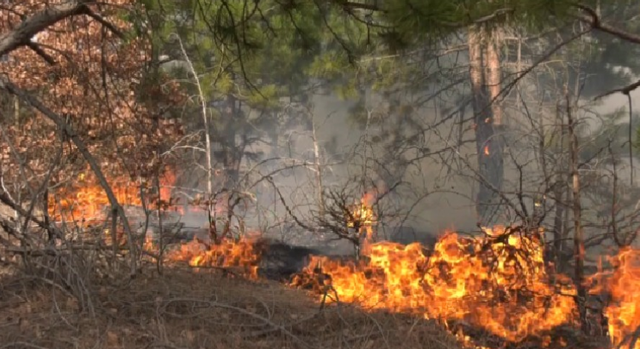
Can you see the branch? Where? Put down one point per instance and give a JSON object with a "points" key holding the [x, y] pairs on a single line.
{"points": [[6, 199], [22, 34], [87, 11], [624, 90], [40, 52], [593, 19], [361, 6]]}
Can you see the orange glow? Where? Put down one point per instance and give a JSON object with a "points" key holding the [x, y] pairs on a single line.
{"points": [[493, 288], [486, 150]]}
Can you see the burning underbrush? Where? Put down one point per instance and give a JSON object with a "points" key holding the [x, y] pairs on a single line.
{"points": [[497, 283], [491, 291], [494, 290], [242, 255]]}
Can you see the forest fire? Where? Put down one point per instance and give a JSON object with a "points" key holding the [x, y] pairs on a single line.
{"points": [[497, 282], [623, 312], [362, 217], [84, 200], [242, 254]]}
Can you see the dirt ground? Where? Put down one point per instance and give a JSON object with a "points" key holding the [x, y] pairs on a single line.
{"points": [[188, 309]]}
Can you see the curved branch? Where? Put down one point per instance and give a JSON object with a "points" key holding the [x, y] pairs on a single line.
{"points": [[593, 19], [22, 34]]}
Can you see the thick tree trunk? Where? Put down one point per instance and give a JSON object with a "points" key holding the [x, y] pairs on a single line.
{"points": [[484, 73]]}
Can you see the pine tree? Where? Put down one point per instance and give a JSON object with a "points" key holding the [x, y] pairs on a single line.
{"points": [[253, 59]]}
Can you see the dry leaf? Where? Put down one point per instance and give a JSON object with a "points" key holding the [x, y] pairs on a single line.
{"points": [[112, 339]]}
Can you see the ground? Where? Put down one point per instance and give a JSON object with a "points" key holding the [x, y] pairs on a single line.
{"points": [[187, 309]]}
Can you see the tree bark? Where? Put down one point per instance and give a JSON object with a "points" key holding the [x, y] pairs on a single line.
{"points": [[493, 74], [484, 74]]}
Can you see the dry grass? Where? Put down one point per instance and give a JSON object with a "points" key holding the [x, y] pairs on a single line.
{"points": [[185, 309]]}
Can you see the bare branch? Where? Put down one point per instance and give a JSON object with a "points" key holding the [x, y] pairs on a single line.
{"points": [[22, 34], [593, 19]]}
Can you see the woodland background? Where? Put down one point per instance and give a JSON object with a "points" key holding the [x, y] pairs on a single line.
{"points": [[277, 114]]}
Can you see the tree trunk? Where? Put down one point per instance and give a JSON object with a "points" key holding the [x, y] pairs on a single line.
{"points": [[561, 196], [578, 234], [558, 221], [484, 74], [493, 75]]}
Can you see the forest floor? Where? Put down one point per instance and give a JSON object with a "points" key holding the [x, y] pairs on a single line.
{"points": [[186, 309]]}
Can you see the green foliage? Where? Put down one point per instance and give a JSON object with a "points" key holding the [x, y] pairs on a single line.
{"points": [[261, 51], [432, 20]]}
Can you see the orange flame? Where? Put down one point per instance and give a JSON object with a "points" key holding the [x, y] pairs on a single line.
{"points": [[85, 199], [486, 150], [243, 253], [622, 284], [363, 217], [494, 288], [498, 282]]}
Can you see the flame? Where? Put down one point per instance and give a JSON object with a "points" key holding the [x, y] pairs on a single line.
{"points": [[498, 282], [622, 283], [243, 253], [362, 217], [486, 150], [85, 199], [492, 286]]}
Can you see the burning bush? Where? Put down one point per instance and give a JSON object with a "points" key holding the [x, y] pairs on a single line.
{"points": [[498, 283], [623, 310], [243, 253]]}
